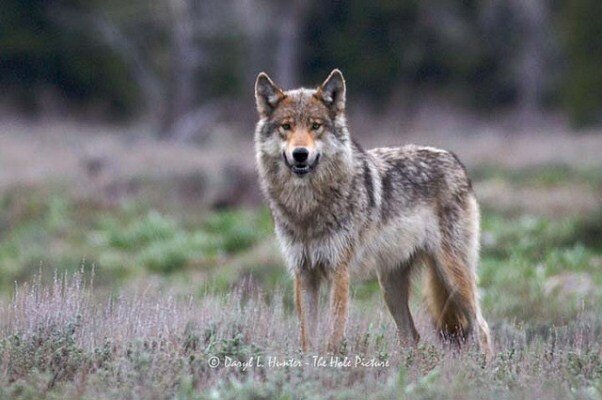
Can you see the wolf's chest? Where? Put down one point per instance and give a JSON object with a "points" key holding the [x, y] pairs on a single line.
{"points": [[315, 220], [326, 251]]}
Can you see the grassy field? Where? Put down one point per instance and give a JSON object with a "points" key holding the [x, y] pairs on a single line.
{"points": [[133, 299]]}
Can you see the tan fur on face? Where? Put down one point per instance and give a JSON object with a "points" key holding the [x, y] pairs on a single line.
{"points": [[300, 137]]}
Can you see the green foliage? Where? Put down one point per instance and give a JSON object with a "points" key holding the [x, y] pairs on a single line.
{"points": [[60, 234], [381, 45], [173, 254], [341, 34], [523, 256], [238, 229], [52, 350], [583, 85], [466, 50], [49, 44], [161, 244], [540, 176], [152, 227], [276, 388]]}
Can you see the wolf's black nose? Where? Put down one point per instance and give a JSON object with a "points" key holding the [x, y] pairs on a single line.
{"points": [[300, 154]]}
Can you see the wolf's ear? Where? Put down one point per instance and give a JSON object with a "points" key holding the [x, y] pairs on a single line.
{"points": [[267, 94], [332, 91]]}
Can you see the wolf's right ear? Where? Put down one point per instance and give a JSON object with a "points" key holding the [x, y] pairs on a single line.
{"points": [[267, 94]]}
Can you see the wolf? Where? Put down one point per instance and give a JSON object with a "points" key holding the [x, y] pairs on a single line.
{"points": [[338, 208]]}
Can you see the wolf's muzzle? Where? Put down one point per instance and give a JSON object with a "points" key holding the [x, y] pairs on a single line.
{"points": [[301, 164]]}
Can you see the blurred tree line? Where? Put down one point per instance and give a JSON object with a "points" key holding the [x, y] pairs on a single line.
{"points": [[188, 63]]}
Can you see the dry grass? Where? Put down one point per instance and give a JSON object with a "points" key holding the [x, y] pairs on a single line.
{"points": [[223, 168], [61, 340]]}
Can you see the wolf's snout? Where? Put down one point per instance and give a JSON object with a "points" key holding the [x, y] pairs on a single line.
{"points": [[300, 154], [301, 160]]}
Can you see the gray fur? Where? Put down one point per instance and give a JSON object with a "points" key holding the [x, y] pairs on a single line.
{"points": [[376, 210]]}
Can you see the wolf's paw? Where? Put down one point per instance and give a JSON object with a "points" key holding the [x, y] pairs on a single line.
{"points": [[337, 347]]}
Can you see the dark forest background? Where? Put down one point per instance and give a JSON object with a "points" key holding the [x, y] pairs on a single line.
{"points": [[185, 64]]}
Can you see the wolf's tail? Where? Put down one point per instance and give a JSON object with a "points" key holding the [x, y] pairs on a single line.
{"points": [[451, 297]]}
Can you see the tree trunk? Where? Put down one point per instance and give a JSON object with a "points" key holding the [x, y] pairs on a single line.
{"points": [[181, 82], [289, 43], [532, 17]]}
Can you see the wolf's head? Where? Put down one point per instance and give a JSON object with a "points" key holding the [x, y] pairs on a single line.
{"points": [[301, 131]]}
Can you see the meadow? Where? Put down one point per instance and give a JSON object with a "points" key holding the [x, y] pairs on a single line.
{"points": [[133, 299]]}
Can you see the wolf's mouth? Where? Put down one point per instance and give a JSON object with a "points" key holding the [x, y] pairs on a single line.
{"points": [[301, 169]]}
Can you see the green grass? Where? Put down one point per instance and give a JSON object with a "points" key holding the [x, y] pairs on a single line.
{"points": [[541, 177], [46, 231], [522, 256]]}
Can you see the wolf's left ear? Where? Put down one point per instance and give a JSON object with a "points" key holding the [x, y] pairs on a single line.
{"points": [[332, 91], [267, 94]]}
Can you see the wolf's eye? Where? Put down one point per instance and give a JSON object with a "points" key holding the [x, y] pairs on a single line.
{"points": [[286, 127], [315, 126]]}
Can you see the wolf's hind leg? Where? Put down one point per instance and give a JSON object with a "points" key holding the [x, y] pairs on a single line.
{"points": [[483, 334], [395, 286]]}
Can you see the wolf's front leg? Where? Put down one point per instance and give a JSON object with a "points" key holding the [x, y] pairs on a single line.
{"points": [[339, 304], [307, 288]]}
